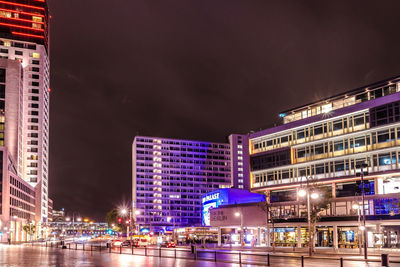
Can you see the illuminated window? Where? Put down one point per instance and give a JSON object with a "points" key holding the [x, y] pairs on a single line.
{"points": [[5, 14], [37, 19], [36, 55], [327, 108], [7, 43]]}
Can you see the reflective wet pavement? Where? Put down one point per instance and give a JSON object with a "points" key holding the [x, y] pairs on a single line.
{"points": [[24, 256]]}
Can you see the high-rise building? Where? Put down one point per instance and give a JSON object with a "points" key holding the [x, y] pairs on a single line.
{"points": [[171, 175], [24, 117], [18, 198], [239, 147], [24, 39], [326, 146]]}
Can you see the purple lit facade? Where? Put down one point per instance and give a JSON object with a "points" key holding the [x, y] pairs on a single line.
{"points": [[171, 175], [239, 147]]}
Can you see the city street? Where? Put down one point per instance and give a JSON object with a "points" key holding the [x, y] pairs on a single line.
{"points": [[25, 255]]}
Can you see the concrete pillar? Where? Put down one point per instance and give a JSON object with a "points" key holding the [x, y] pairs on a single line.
{"points": [[299, 236], [219, 236], [335, 238], [378, 228], [258, 236]]}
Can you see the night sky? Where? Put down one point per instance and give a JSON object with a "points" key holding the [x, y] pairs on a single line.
{"points": [[194, 69]]}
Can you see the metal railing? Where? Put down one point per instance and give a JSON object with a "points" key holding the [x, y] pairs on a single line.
{"points": [[240, 257]]}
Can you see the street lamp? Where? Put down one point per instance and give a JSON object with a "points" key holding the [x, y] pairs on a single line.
{"points": [[124, 212], [363, 171], [314, 195], [237, 214], [356, 207]]}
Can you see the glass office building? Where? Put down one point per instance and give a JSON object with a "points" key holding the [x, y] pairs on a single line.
{"points": [[325, 143]]}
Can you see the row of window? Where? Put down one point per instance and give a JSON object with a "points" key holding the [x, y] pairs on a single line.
{"points": [[346, 100], [349, 145], [314, 132], [22, 187], [181, 143], [337, 168]]}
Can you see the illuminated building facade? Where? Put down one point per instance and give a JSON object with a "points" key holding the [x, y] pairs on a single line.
{"points": [[24, 38], [24, 118], [18, 197], [324, 143], [170, 176]]}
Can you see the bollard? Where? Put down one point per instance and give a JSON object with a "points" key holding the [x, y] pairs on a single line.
{"points": [[100, 248], [76, 246], [240, 257], [145, 251], [120, 249], [302, 261], [341, 262], [46, 244], [195, 253], [91, 247], [385, 260], [268, 263], [69, 245], [159, 253], [132, 250], [83, 247], [215, 255], [175, 253], [109, 248]]}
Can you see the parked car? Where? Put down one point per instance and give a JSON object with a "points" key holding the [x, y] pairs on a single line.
{"points": [[116, 243], [167, 244], [128, 243]]}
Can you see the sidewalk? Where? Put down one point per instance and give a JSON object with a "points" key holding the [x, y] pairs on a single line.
{"points": [[289, 251]]}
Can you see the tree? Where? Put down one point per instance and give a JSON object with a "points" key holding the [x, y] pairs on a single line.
{"points": [[317, 206], [113, 218], [30, 229], [270, 218]]}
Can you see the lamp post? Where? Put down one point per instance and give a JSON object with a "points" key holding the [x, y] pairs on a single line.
{"points": [[363, 171], [123, 213], [357, 207], [237, 214], [305, 192]]}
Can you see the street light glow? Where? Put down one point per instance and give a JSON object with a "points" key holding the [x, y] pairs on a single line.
{"points": [[68, 219], [362, 228], [356, 206], [237, 214], [314, 195], [137, 212], [302, 192], [79, 219], [124, 211]]}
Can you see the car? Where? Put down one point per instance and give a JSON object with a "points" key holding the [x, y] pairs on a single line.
{"points": [[128, 243], [116, 243], [167, 244]]}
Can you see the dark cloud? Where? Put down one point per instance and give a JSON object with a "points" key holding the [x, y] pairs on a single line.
{"points": [[194, 69]]}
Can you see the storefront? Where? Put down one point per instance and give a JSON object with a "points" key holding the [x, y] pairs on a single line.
{"points": [[324, 236], [284, 237], [348, 237]]}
